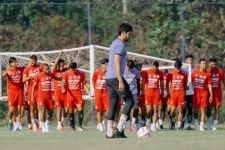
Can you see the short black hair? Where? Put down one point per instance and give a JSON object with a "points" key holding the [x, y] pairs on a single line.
{"points": [[189, 56], [155, 63], [178, 64], [202, 59], [125, 27], [130, 64], [73, 65], [61, 61], [104, 60], [45, 65], [34, 57], [12, 59], [213, 60]]}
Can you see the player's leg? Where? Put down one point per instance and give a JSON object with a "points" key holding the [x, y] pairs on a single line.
{"points": [[189, 104], [155, 117], [134, 113], [113, 104], [10, 114], [80, 113], [180, 117], [202, 109], [41, 109], [173, 115], [217, 105]]}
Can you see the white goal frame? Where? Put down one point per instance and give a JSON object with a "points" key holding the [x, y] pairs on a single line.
{"points": [[92, 61]]}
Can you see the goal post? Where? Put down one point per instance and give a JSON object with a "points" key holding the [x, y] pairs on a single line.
{"points": [[87, 57]]}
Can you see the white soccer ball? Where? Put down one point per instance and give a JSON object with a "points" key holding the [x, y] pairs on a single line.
{"points": [[143, 132]]}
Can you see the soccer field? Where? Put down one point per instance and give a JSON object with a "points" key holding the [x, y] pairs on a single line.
{"points": [[93, 140]]}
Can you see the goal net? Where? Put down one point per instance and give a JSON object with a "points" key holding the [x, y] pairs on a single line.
{"points": [[87, 57]]}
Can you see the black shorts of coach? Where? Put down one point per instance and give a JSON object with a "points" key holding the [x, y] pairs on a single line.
{"points": [[115, 95]]}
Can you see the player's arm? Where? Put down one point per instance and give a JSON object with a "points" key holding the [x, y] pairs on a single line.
{"points": [[161, 87], [5, 73], [68, 61], [118, 72], [57, 60], [210, 93], [87, 87], [26, 78], [45, 59], [64, 84]]}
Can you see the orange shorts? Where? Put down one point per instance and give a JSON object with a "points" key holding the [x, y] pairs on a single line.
{"points": [[101, 101], [74, 99], [141, 100], [15, 98], [217, 99], [200, 99], [60, 99], [152, 98], [177, 98], [45, 101], [29, 95]]}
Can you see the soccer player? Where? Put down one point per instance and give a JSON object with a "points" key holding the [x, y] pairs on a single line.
{"points": [[117, 85], [101, 94], [217, 76], [177, 87], [187, 108], [153, 80], [202, 92], [164, 100], [60, 98], [72, 83], [14, 76], [30, 73], [132, 76], [44, 98]]}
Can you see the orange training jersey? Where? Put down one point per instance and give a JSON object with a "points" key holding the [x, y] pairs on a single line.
{"points": [[98, 79], [58, 83], [74, 80], [152, 79], [32, 71], [14, 78], [178, 80], [217, 76], [44, 84], [200, 80]]}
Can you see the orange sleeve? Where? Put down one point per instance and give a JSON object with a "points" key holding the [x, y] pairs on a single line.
{"points": [[64, 77], [25, 72]]}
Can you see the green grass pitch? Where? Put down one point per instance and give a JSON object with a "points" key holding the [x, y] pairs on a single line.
{"points": [[91, 139]]}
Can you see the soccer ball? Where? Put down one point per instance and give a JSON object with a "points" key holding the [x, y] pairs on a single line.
{"points": [[143, 132]]}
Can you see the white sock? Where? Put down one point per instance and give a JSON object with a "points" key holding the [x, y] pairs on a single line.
{"points": [[10, 121], [215, 123], [160, 121], [202, 124], [133, 121], [109, 128], [114, 124], [29, 125], [62, 119], [178, 124], [14, 124], [42, 124], [122, 122], [59, 125]]}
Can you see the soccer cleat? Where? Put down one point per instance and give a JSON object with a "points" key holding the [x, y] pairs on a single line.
{"points": [[161, 126], [189, 128], [110, 137], [80, 129], [133, 128], [179, 128], [182, 124], [30, 129], [10, 126], [214, 129], [153, 128], [119, 134], [201, 128]]}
